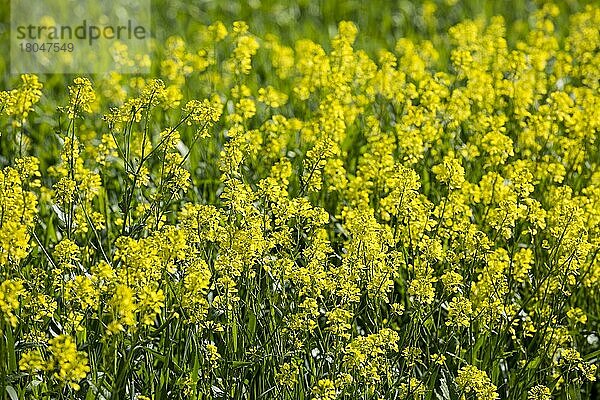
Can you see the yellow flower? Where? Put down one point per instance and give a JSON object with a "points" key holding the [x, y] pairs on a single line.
{"points": [[18, 103], [459, 312], [70, 365], [325, 390], [539, 392], [81, 96], [288, 374], [10, 292], [471, 379]]}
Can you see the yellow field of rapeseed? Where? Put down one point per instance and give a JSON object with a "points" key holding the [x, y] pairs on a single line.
{"points": [[265, 218]]}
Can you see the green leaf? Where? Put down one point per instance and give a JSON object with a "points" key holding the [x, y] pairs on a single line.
{"points": [[234, 330], [10, 348], [534, 364], [12, 393], [574, 393], [195, 369], [252, 324], [90, 395], [444, 388], [594, 354], [237, 364]]}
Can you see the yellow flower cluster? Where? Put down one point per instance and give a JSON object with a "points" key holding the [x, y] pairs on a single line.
{"points": [[18, 204], [67, 365], [311, 219], [471, 379], [18, 103]]}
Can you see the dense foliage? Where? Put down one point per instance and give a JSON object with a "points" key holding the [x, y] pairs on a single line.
{"points": [[268, 219]]}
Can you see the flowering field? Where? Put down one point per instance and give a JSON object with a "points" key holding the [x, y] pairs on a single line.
{"points": [[341, 210]]}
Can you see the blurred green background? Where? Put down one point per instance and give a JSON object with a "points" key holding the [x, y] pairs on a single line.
{"points": [[381, 22]]}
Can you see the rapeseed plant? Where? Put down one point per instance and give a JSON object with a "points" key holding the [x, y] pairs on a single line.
{"points": [[262, 218]]}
